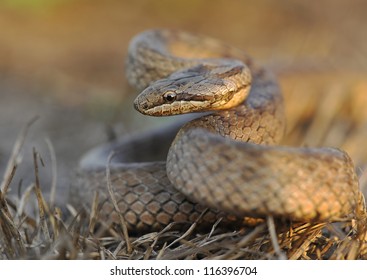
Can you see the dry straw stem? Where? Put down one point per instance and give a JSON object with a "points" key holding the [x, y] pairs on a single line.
{"points": [[54, 171], [274, 238], [9, 229], [15, 159], [41, 202]]}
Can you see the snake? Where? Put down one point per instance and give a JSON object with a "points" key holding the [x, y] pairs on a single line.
{"points": [[226, 162]]}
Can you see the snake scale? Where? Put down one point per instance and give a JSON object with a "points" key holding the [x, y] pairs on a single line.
{"points": [[227, 161]]}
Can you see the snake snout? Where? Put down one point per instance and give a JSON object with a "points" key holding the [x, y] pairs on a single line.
{"points": [[141, 105]]}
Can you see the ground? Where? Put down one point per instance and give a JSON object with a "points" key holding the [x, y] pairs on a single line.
{"points": [[64, 62]]}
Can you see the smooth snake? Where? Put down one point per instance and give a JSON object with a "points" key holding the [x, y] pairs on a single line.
{"points": [[228, 160]]}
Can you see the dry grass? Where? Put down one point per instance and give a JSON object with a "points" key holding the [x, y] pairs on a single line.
{"points": [[49, 236], [69, 48], [55, 234]]}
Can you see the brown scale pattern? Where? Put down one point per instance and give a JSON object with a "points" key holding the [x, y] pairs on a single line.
{"points": [[227, 160], [146, 199]]}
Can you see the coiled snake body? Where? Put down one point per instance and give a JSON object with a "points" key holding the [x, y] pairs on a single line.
{"points": [[226, 160]]}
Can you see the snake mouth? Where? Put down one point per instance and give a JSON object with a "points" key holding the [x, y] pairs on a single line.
{"points": [[161, 110], [155, 111]]}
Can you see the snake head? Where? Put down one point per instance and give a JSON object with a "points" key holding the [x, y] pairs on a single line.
{"points": [[197, 89]]}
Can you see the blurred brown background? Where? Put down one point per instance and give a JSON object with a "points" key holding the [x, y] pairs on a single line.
{"points": [[64, 61]]}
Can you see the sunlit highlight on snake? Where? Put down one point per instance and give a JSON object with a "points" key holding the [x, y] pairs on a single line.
{"points": [[228, 160]]}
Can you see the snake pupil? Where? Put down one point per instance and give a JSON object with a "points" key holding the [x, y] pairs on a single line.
{"points": [[170, 97]]}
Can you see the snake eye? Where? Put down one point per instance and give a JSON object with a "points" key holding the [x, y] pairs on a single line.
{"points": [[170, 96]]}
